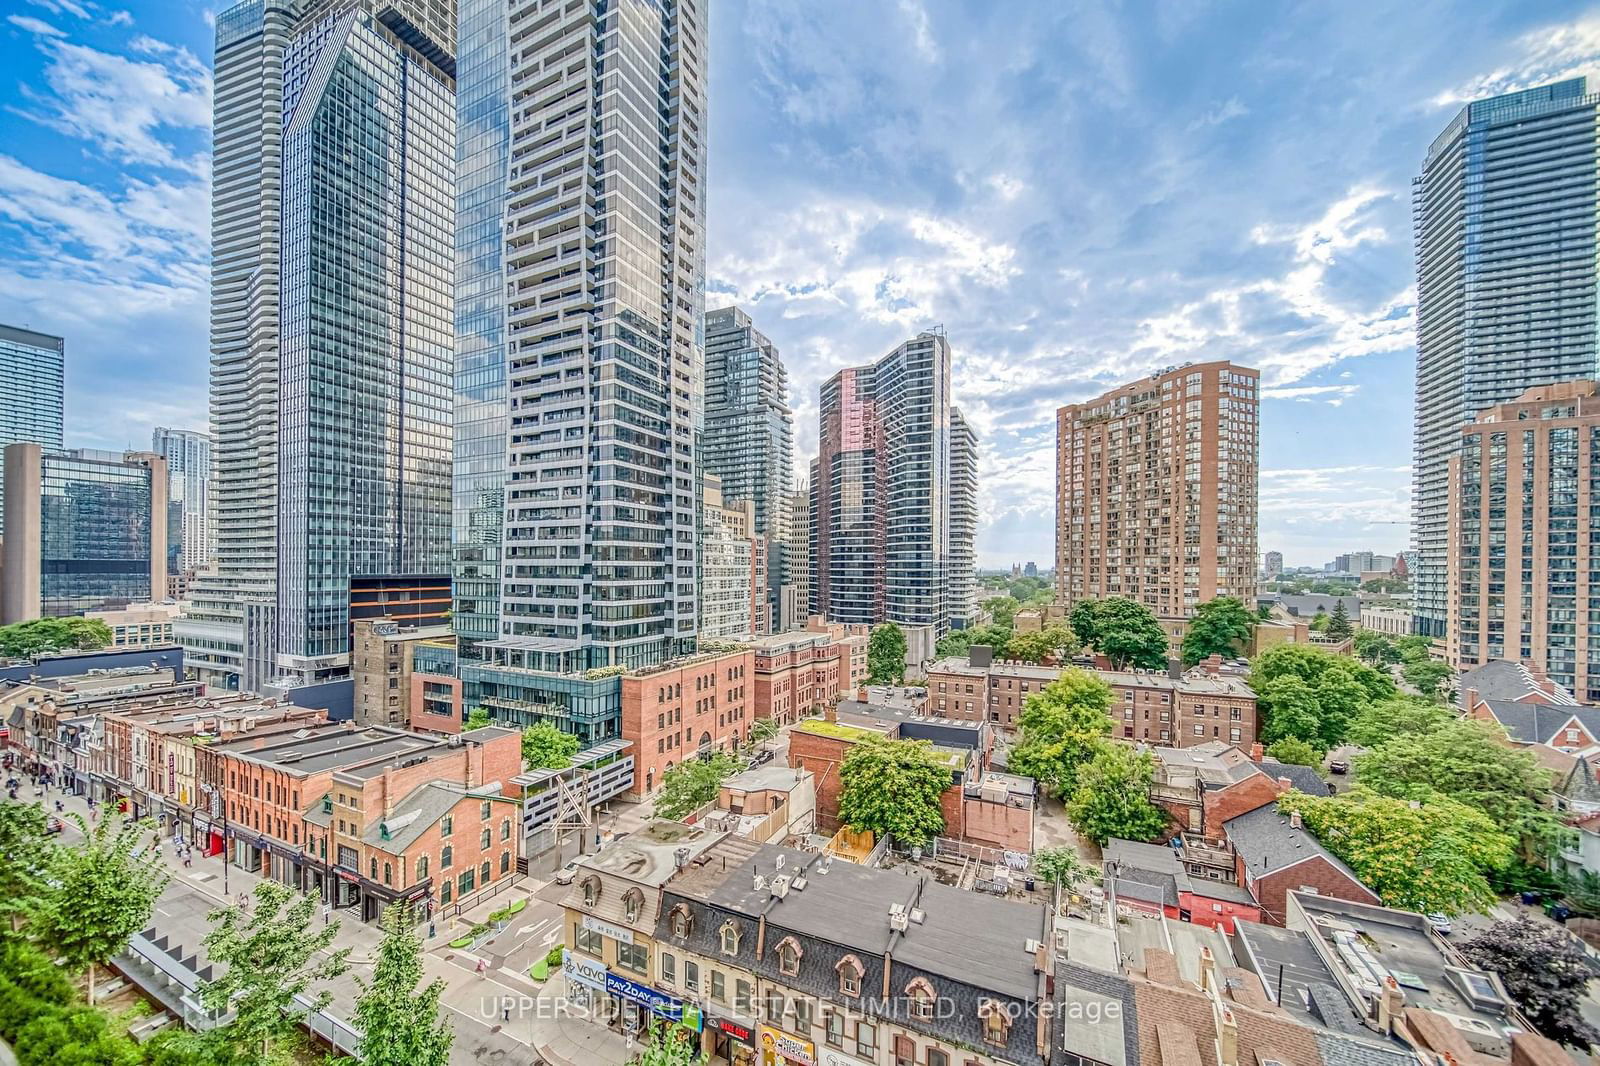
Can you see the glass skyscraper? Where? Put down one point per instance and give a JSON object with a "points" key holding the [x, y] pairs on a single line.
{"points": [[483, 133], [1506, 237], [332, 325], [188, 456], [749, 434], [32, 390]]}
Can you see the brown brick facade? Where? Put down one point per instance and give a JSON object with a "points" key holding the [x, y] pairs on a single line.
{"points": [[672, 712]]}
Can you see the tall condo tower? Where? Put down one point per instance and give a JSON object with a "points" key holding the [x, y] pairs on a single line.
{"points": [[1505, 226], [749, 437], [188, 456], [332, 322], [604, 280], [32, 391]]}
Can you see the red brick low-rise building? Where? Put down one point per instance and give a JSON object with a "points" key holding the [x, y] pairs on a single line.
{"points": [[1152, 877], [1275, 855], [677, 710]]}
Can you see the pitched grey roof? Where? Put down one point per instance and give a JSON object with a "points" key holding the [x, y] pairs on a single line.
{"points": [[1500, 679], [1349, 1049], [1304, 778], [1538, 723], [1582, 784], [1308, 604], [1153, 873], [1267, 843]]}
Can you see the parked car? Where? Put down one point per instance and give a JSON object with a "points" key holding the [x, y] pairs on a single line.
{"points": [[565, 875], [1440, 923], [53, 824], [1339, 766]]}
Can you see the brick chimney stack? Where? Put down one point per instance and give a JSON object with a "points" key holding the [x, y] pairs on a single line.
{"points": [[1257, 752]]}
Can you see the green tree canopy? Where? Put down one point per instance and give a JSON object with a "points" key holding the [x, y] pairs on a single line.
{"points": [[28, 855], [27, 639], [1469, 762], [1003, 610], [1435, 856], [1061, 866], [1402, 716], [959, 642], [399, 1021], [1332, 690], [1219, 627], [893, 786], [1113, 796], [763, 730], [1435, 680], [671, 1045], [886, 654], [692, 784], [1375, 648], [477, 718], [106, 889], [268, 956], [1295, 752], [1059, 729], [1033, 647], [546, 747], [1123, 631]]}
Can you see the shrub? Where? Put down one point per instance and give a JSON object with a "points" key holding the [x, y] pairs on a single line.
{"points": [[554, 956]]}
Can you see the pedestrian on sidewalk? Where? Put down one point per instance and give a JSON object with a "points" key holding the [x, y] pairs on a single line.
{"points": [[480, 967], [327, 914], [505, 1013]]}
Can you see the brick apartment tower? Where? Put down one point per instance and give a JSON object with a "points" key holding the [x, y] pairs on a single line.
{"points": [[1522, 493], [1156, 491]]}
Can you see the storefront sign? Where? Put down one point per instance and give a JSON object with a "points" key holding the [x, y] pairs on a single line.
{"points": [[615, 932], [740, 1031], [829, 1057], [662, 1005], [582, 971], [779, 1047]]}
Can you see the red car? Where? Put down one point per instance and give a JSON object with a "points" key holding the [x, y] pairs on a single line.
{"points": [[53, 824]]}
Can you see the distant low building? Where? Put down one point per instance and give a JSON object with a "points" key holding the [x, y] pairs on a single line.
{"points": [[142, 625], [1385, 620]]}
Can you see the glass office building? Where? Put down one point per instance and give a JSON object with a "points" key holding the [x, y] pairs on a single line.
{"points": [[85, 530], [367, 333], [483, 131], [32, 390], [749, 436], [188, 456], [1506, 237]]}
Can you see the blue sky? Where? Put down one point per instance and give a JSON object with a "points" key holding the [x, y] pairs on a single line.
{"points": [[1079, 193]]}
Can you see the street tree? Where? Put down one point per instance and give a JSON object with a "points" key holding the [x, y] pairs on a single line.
{"points": [[41, 635], [1435, 680], [1546, 970], [1339, 627], [1401, 716], [1082, 619], [1002, 609], [477, 718], [692, 784], [1291, 710], [105, 891], [893, 786], [1375, 648], [959, 642], [399, 1019], [1061, 866], [1059, 730], [886, 654], [1033, 647], [671, 1045], [1432, 856], [1113, 796], [546, 747], [1470, 762], [1125, 632], [269, 955], [28, 857], [1295, 752], [763, 730], [1219, 627]]}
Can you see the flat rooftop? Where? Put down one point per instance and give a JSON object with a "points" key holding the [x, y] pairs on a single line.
{"points": [[332, 747], [649, 856], [1194, 681]]}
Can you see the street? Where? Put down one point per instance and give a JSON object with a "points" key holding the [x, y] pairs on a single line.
{"points": [[498, 1016]]}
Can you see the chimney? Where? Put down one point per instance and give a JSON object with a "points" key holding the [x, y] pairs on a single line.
{"points": [[830, 712], [388, 791], [1208, 971], [1228, 1039], [1174, 669], [1257, 752], [1295, 821], [1213, 664], [1284, 784], [1390, 1004], [861, 694]]}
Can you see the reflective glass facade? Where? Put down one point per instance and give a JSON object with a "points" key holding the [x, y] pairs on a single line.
{"points": [[94, 532], [483, 132], [749, 431], [1506, 229], [188, 457], [32, 390], [367, 309]]}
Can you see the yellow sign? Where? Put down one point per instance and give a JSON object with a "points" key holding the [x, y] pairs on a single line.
{"points": [[779, 1048]]}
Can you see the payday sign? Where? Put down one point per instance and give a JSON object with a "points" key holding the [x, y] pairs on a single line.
{"points": [[662, 1005]]}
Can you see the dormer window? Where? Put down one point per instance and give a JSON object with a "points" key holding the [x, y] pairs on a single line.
{"points": [[681, 921], [591, 891], [996, 1022], [632, 905], [729, 935], [789, 953], [920, 999], [850, 971]]}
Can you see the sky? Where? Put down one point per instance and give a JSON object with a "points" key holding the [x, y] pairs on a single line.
{"points": [[1080, 194]]}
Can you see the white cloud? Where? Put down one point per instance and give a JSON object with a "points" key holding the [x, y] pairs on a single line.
{"points": [[62, 7], [128, 107], [120, 18], [1006, 186], [33, 25], [1230, 108], [1332, 394], [1563, 50], [921, 29]]}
